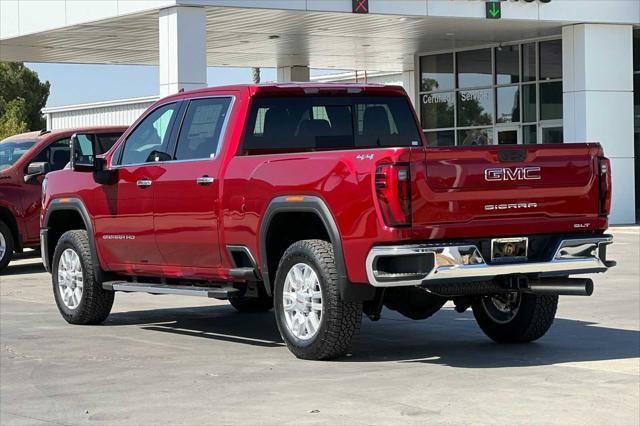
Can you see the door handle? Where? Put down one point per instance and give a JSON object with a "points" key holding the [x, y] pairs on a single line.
{"points": [[143, 183], [205, 180]]}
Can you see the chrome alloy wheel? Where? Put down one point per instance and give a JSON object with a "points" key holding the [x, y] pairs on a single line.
{"points": [[70, 281], [502, 308], [3, 246], [302, 301]]}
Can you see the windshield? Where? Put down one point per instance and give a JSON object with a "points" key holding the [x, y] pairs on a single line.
{"points": [[11, 151]]}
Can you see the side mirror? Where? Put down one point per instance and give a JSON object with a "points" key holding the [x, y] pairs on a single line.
{"points": [[82, 153], [36, 169]]}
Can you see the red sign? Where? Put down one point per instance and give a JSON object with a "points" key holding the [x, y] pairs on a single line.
{"points": [[360, 6]]}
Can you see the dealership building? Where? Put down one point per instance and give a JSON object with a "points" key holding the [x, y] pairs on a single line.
{"points": [[478, 72]]}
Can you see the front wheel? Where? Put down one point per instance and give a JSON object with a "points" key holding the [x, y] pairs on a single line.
{"points": [[515, 317], [79, 296], [6, 245], [313, 320]]}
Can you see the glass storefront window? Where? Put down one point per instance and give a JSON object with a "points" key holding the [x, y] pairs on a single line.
{"points": [[471, 137], [552, 135], [551, 101], [443, 138], [507, 64], [529, 134], [437, 110], [505, 94], [507, 104], [437, 72], [475, 107], [529, 62], [474, 68], [636, 101], [636, 50], [529, 99], [550, 60]]}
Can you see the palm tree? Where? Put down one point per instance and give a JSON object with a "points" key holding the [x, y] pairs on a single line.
{"points": [[255, 75]]}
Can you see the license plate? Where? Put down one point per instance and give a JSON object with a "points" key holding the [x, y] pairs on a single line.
{"points": [[509, 249]]}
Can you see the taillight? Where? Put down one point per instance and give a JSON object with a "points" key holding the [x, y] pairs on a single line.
{"points": [[604, 171], [393, 190]]}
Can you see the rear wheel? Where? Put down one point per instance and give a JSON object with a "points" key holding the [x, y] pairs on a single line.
{"points": [[515, 317], [79, 296], [6, 245], [313, 320]]}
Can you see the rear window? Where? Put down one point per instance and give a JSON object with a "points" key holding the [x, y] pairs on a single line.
{"points": [[316, 123]]}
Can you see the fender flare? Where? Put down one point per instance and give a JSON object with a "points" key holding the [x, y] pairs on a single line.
{"points": [[74, 204], [312, 204]]}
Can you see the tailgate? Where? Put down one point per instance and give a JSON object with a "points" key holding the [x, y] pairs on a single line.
{"points": [[460, 185]]}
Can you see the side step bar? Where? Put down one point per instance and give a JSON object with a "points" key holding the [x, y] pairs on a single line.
{"points": [[184, 290]]}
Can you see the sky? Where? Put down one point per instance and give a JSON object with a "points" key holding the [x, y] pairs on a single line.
{"points": [[79, 83]]}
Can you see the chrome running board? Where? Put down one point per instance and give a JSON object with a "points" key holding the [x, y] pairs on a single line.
{"points": [[184, 290]]}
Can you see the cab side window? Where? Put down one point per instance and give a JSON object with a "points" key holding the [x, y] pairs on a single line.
{"points": [[106, 141], [201, 129], [56, 154], [151, 136]]}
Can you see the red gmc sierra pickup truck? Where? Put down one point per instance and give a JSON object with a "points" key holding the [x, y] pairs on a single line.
{"points": [[24, 160], [324, 202]]}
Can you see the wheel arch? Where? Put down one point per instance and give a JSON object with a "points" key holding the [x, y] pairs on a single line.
{"points": [[309, 208], [62, 215]]}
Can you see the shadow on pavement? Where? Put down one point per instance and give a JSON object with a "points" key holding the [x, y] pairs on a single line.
{"points": [[25, 268], [33, 267], [211, 322], [448, 338]]}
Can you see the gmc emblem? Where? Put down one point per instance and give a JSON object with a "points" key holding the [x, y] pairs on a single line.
{"points": [[508, 174]]}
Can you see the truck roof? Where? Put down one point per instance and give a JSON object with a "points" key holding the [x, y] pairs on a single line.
{"points": [[44, 134], [295, 88]]}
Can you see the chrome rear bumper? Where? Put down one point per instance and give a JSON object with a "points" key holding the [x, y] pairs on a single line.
{"points": [[465, 262]]}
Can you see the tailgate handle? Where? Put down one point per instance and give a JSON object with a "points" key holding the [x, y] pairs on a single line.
{"points": [[512, 155]]}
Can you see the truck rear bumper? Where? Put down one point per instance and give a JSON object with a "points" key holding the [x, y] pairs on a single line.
{"points": [[418, 264]]}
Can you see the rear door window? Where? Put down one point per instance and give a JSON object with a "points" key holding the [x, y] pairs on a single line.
{"points": [[320, 123], [202, 128]]}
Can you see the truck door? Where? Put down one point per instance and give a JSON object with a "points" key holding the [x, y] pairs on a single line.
{"points": [[186, 200], [124, 208]]}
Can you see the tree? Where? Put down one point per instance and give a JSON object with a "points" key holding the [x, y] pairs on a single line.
{"points": [[11, 120], [22, 97], [255, 75]]}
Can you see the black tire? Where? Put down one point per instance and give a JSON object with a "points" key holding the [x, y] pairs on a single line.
{"points": [[531, 321], [339, 321], [7, 237], [95, 302], [263, 303]]}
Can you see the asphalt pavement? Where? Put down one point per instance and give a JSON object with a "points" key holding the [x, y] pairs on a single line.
{"points": [[180, 360]]}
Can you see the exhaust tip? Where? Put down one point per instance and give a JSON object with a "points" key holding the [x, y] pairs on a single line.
{"points": [[563, 287], [588, 286]]}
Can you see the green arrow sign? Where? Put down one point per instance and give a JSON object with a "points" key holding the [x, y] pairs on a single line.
{"points": [[494, 10]]}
